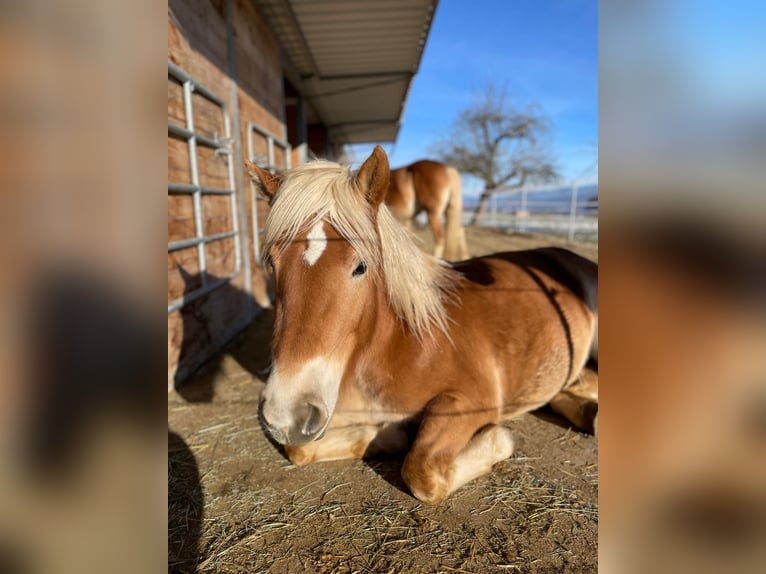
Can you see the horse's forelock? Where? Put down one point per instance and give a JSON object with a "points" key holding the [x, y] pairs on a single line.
{"points": [[416, 283]]}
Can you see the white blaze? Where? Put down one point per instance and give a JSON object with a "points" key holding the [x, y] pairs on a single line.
{"points": [[317, 242]]}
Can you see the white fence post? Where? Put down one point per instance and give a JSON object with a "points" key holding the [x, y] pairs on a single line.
{"points": [[545, 210], [573, 211], [523, 210]]}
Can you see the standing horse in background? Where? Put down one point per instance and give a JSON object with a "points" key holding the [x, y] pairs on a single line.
{"points": [[375, 339], [435, 188]]}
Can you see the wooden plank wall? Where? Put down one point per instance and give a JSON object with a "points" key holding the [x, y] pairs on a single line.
{"points": [[198, 44]]}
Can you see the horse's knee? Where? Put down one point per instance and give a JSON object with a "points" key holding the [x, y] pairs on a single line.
{"points": [[426, 480]]}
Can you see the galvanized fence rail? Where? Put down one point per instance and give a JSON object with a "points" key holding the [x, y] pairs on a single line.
{"points": [[565, 209]]}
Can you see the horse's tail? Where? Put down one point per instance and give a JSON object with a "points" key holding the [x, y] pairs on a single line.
{"points": [[455, 248]]}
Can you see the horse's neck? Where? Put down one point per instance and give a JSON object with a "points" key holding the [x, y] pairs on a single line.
{"points": [[383, 323], [386, 338]]}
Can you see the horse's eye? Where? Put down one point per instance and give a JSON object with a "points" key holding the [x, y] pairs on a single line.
{"points": [[360, 269]]}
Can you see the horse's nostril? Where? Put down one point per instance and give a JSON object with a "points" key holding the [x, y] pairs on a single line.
{"points": [[314, 421]]}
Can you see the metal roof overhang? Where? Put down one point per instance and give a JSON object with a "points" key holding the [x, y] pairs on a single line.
{"points": [[353, 60]]}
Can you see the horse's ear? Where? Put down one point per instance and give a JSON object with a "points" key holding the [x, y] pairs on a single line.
{"points": [[266, 183], [373, 176], [185, 275]]}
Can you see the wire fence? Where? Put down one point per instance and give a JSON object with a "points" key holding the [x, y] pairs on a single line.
{"points": [[565, 209]]}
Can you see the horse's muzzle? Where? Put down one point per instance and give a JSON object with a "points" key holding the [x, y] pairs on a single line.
{"points": [[308, 423]]}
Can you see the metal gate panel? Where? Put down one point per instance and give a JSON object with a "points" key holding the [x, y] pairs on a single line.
{"points": [[222, 146], [266, 161]]}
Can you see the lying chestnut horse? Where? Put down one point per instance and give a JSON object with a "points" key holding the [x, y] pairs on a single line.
{"points": [[374, 338], [435, 188]]}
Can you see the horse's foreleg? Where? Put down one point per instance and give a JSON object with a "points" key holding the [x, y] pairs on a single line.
{"points": [[350, 442], [456, 443]]}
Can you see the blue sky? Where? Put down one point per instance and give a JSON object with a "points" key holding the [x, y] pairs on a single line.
{"points": [[543, 51], [712, 50]]}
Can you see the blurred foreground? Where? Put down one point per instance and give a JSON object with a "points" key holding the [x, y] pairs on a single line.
{"points": [[683, 287], [82, 445]]}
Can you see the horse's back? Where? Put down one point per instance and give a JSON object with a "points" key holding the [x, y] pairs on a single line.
{"points": [[577, 273], [427, 168], [574, 272], [429, 174]]}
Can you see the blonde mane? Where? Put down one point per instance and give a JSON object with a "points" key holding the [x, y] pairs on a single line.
{"points": [[417, 284]]}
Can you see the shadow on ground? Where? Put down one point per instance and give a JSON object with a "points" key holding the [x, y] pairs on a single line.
{"points": [[185, 507], [251, 349]]}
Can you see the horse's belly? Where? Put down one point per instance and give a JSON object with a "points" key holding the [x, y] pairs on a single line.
{"points": [[532, 391], [537, 359]]}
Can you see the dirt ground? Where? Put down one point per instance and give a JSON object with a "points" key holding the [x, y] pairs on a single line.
{"points": [[236, 504]]}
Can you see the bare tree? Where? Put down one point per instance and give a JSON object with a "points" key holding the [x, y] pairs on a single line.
{"points": [[499, 144]]}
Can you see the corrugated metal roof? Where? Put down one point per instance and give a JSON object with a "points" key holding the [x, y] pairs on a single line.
{"points": [[354, 59]]}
